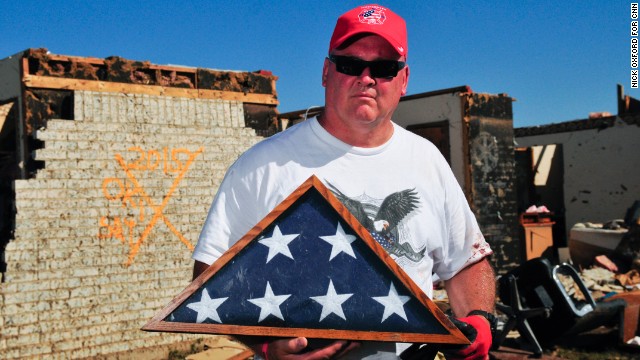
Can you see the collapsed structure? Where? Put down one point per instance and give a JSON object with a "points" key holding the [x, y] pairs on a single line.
{"points": [[108, 167]]}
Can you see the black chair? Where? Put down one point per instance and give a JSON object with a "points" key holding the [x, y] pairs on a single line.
{"points": [[549, 301], [517, 316]]}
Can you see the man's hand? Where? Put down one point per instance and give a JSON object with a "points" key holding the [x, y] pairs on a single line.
{"points": [[477, 329], [296, 349], [471, 289]]}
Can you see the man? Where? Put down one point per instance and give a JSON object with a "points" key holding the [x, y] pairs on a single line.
{"points": [[355, 149]]}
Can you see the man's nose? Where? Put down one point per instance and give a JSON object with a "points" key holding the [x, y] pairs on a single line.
{"points": [[365, 78]]}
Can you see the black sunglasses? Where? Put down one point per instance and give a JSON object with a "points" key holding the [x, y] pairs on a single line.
{"points": [[354, 67]]}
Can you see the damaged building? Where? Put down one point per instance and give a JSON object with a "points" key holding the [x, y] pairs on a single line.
{"points": [[109, 167], [585, 171]]}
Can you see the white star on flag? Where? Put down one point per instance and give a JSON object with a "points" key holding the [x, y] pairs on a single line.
{"points": [[207, 308], [278, 244], [341, 242], [393, 304], [332, 302], [269, 304]]}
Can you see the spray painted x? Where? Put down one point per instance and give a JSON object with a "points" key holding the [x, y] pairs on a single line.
{"points": [[157, 209]]}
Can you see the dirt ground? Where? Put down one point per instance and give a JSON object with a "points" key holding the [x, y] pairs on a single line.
{"points": [[596, 345], [599, 344], [213, 348]]}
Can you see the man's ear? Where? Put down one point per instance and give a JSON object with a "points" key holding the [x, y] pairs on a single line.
{"points": [[405, 82], [325, 71]]}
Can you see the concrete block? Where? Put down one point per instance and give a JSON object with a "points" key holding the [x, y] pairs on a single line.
{"points": [[78, 109]]}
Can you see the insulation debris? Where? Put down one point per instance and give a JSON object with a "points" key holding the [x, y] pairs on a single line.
{"points": [[118, 69]]}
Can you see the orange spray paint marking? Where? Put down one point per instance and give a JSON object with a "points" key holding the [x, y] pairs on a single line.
{"points": [[132, 194]]}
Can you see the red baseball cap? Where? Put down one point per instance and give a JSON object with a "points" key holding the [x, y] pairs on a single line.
{"points": [[372, 19]]}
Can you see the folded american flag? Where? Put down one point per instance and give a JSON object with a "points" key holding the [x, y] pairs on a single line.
{"points": [[308, 269]]}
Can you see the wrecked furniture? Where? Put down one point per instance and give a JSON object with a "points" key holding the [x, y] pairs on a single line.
{"points": [[628, 250], [541, 285], [618, 240], [538, 232], [587, 241], [517, 315]]}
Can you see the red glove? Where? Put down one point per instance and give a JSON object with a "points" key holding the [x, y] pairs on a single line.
{"points": [[476, 328]]}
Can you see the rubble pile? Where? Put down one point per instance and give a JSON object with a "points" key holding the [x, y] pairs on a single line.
{"points": [[601, 281]]}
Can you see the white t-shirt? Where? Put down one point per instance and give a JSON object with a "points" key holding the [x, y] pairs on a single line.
{"points": [[435, 231]]}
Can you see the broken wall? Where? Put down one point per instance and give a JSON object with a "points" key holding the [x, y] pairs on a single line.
{"points": [[46, 76], [122, 171], [482, 159], [105, 229], [492, 166], [600, 165]]}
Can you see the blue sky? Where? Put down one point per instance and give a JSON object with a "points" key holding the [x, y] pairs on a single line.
{"points": [[560, 60]]}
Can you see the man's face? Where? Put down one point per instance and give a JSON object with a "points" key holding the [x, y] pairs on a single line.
{"points": [[363, 100]]}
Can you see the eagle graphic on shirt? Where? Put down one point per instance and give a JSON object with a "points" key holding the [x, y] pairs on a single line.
{"points": [[382, 220]]}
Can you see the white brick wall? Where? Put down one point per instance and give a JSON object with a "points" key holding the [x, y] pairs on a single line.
{"points": [[104, 231]]}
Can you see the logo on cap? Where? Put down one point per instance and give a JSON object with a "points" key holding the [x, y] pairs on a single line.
{"points": [[372, 16]]}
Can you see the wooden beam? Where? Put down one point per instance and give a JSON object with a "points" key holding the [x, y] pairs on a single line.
{"points": [[48, 82]]}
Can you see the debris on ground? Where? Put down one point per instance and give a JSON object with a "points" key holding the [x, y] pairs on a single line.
{"points": [[222, 347]]}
